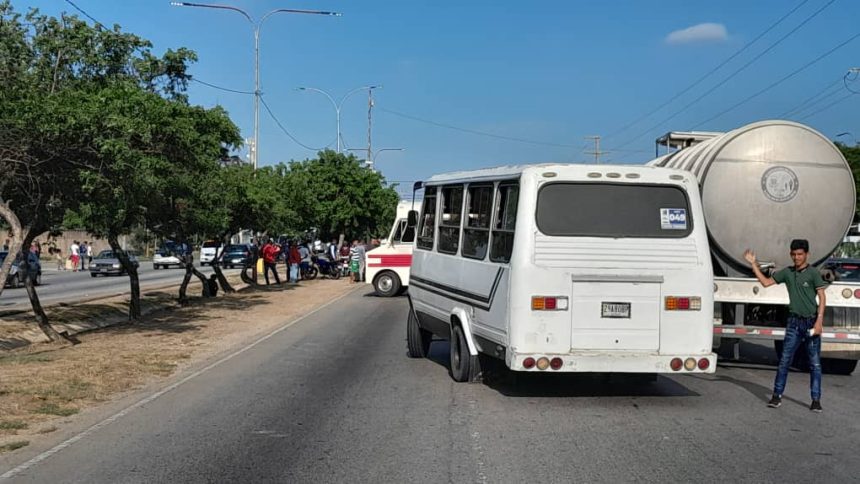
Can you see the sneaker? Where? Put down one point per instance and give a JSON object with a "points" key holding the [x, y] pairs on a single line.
{"points": [[775, 402], [816, 406]]}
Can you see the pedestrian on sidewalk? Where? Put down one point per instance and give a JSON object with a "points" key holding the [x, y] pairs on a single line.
{"points": [[805, 318], [83, 253], [294, 258], [270, 256], [354, 264], [90, 254], [58, 256], [75, 255]]}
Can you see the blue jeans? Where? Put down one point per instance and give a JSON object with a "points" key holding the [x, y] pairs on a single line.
{"points": [[294, 273], [797, 334]]}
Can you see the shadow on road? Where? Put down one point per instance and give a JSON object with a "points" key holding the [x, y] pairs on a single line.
{"points": [[536, 385]]}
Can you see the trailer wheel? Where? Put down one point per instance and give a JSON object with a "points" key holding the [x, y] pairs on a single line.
{"points": [[417, 340], [386, 284], [835, 366]]}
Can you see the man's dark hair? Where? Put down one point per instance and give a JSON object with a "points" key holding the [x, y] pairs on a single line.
{"points": [[800, 244]]}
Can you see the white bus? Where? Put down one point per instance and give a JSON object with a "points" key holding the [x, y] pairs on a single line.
{"points": [[387, 266], [563, 268]]}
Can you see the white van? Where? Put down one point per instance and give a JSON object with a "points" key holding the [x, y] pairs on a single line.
{"points": [[387, 266], [563, 268]]}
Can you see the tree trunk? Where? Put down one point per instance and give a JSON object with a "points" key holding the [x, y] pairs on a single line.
{"points": [[216, 267], [29, 284], [134, 310], [190, 271], [15, 242]]}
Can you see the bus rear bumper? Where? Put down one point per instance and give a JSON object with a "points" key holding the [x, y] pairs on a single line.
{"points": [[615, 362]]}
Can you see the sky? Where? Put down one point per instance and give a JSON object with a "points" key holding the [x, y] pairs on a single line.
{"points": [[480, 83]]}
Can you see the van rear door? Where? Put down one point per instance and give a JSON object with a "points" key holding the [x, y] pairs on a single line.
{"points": [[616, 302]]}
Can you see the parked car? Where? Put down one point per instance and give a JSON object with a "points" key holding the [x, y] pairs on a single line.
{"points": [[15, 277], [170, 254], [107, 264], [236, 255], [209, 251]]}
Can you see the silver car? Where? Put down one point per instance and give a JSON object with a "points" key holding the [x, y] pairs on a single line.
{"points": [[107, 264]]}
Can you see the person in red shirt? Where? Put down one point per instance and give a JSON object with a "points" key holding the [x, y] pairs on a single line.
{"points": [[270, 255], [294, 258]]}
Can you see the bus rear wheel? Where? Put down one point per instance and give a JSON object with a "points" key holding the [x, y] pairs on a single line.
{"points": [[386, 284], [417, 340], [464, 366]]}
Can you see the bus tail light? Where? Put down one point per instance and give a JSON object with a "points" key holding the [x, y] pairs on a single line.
{"points": [[543, 363], [683, 303], [555, 363], [857, 293], [549, 303], [676, 364], [704, 364], [529, 363], [690, 364]]}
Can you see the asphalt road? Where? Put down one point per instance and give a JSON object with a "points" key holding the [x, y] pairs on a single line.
{"points": [[335, 399], [67, 286]]}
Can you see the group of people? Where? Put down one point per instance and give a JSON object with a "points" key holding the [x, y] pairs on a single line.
{"points": [[80, 255], [298, 258]]}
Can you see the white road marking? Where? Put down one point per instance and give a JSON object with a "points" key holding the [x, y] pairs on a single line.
{"points": [[62, 445]]}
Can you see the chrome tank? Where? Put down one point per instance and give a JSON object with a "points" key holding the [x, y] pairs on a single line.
{"points": [[765, 184]]}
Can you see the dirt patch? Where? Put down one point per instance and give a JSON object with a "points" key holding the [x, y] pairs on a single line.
{"points": [[41, 383]]}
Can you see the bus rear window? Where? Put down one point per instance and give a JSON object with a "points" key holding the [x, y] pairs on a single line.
{"points": [[613, 210]]}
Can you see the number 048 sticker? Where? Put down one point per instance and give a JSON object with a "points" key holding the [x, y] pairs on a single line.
{"points": [[673, 218]]}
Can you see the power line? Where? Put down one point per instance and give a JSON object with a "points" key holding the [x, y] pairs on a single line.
{"points": [[476, 132], [781, 80], [818, 102], [808, 101], [286, 132], [85, 14], [733, 74], [708, 74], [219, 87], [825, 108]]}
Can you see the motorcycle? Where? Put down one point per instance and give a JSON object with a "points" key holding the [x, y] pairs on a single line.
{"points": [[326, 267]]}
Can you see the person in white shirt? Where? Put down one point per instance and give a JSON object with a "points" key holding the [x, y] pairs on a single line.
{"points": [[75, 251]]}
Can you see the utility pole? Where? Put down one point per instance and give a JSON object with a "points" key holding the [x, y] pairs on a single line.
{"points": [[596, 151], [256, 25], [369, 127]]}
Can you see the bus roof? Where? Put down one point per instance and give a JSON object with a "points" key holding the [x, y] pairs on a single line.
{"points": [[514, 171]]}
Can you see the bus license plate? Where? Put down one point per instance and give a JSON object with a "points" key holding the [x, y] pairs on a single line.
{"points": [[615, 310]]}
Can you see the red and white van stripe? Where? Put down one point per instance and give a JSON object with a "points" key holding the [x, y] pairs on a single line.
{"points": [[389, 260]]}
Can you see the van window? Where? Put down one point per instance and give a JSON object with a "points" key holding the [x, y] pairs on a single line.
{"points": [[613, 210], [449, 224], [427, 223], [479, 210], [505, 222], [403, 233]]}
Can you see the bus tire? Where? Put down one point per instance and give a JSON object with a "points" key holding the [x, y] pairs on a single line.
{"points": [[386, 284], [417, 340], [835, 366], [464, 367]]}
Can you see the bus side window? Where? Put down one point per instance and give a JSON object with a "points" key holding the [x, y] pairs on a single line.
{"points": [[449, 223], [504, 223], [476, 232], [427, 222]]}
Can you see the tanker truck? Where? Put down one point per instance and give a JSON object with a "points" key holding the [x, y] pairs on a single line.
{"points": [[763, 185]]}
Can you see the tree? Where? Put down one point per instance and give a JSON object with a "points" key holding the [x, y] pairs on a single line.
{"points": [[340, 197], [852, 154], [91, 120]]}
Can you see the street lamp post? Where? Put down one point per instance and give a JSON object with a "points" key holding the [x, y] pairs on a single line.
{"points": [[338, 105], [372, 159], [256, 25]]}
